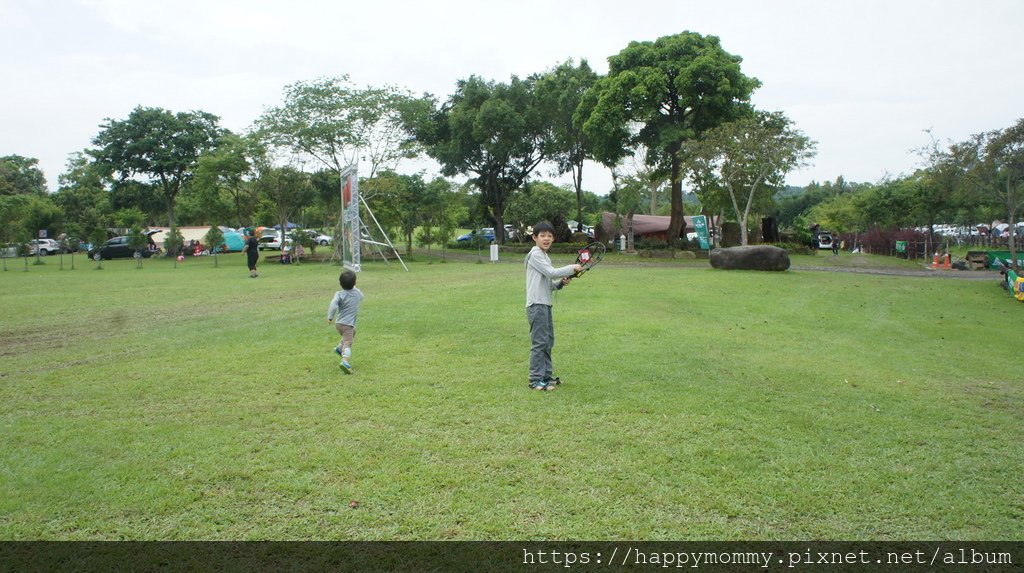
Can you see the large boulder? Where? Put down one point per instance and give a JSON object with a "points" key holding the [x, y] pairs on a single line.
{"points": [[751, 257]]}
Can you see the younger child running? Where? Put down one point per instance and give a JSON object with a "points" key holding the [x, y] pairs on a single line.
{"points": [[541, 280], [342, 311]]}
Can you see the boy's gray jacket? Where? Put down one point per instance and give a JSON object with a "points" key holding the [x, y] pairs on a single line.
{"points": [[344, 306], [541, 277]]}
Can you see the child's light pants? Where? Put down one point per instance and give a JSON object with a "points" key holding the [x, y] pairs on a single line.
{"points": [[348, 333]]}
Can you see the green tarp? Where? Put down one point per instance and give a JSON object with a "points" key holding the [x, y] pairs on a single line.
{"points": [[995, 256]]}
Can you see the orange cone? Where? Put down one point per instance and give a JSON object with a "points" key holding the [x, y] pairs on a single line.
{"points": [[935, 261], [947, 263]]}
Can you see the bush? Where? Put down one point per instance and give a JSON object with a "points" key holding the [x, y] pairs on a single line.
{"points": [[795, 248]]}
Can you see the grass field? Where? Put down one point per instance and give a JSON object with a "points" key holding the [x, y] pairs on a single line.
{"points": [[196, 403]]}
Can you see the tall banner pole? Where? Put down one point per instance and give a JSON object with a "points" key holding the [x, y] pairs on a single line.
{"points": [[350, 223]]}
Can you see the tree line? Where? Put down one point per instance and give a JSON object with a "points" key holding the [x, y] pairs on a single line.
{"points": [[671, 114]]}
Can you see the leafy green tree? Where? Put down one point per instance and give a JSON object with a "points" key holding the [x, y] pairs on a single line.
{"points": [[21, 176], [407, 201], [326, 186], [496, 132], [561, 91], [82, 194], [748, 160], [937, 188], [660, 94], [12, 214], [336, 123], [158, 145], [174, 244], [636, 166], [540, 201], [137, 242], [449, 214], [995, 164], [305, 241], [41, 213], [628, 199], [841, 214], [98, 236], [286, 188], [214, 239], [224, 175]]}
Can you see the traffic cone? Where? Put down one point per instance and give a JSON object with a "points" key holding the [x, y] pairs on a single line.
{"points": [[935, 261], [946, 263]]}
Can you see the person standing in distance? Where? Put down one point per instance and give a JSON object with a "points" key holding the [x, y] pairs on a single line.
{"points": [[252, 253]]}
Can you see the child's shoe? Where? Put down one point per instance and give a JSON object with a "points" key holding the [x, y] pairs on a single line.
{"points": [[337, 351], [346, 367]]}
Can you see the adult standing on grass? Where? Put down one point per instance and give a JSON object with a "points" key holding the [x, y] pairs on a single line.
{"points": [[541, 280], [252, 253]]}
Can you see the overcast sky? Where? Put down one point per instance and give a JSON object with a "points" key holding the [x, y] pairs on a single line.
{"points": [[863, 78]]}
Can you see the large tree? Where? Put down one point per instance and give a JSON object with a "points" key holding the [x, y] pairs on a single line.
{"points": [[228, 170], [337, 123], [561, 91], [660, 94], [82, 195], [157, 145], [746, 161], [995, 163], [21, 176], [937, 187], [407, 203], [495, 132]]}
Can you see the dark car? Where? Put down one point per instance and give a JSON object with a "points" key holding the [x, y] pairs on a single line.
{"points": [[117, 248]]}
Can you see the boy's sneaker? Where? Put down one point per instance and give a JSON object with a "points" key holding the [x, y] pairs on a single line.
{"points": [[337, 351], [541, 385], [346, 367], [553, 381]]}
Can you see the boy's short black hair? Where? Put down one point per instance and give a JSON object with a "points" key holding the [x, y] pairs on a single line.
{"points": [[543, 226], [347, 279]]}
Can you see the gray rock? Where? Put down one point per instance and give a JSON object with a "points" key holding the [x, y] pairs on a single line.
{"points": [[751, 257]]}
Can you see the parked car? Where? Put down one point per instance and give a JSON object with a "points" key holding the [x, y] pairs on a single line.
{"points": [[271, 241], [10, 250], [44, 247], [319, 238], [117, 248], [825, 240], [485, 234]]}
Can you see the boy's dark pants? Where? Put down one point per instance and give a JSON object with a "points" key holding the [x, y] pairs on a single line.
{"points": [[542, 337]]}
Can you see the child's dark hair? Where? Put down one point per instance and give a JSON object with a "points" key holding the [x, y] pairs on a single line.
{"points": [[542, 227], [347, 279]]}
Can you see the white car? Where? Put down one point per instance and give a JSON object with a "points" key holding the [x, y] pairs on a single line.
{"points": [[319, 238], [44, 247]]}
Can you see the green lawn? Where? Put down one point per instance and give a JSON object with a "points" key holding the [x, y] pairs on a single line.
{"points": [[196, 403]]}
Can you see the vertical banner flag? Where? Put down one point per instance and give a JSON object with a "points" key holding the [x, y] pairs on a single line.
{"points": [[700, 224], [350, 224]]}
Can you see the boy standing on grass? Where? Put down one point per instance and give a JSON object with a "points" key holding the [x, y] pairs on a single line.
{"points": [[342, 311], [541, 280]]}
